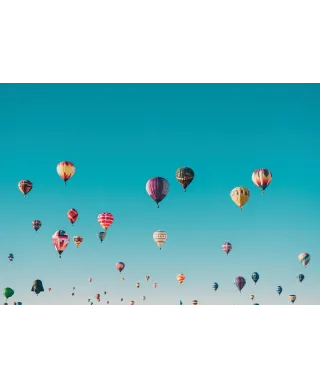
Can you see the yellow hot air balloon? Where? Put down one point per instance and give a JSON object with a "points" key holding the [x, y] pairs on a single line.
{"points": [[160, 237], [66, 170], [240, 196], [77, 240], [251, 297]]}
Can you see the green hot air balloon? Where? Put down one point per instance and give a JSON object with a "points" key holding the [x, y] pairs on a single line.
{"points": [[8, 292]]}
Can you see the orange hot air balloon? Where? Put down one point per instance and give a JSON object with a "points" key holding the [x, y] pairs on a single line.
{"points": [[105, 220], [132, 302], [181, 278], [66, 170], [122, 278], [77, 240], [25, 187], [72, 215]]}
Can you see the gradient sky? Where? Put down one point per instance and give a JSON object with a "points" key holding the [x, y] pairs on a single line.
{"points": [[119, 136]]}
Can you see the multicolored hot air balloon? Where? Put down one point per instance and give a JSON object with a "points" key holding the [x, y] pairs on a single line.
{"points": [[240, 282], [255, 277], [194, 302], [157, 188], [279, 290], [10, 257], [60, 241], [155, 285], [185, 176], [292, 298], [262, 178], [36, 224], [66, 170], [105, 220], [8, 292], [98, 297], [120, 266], [132, 302], [215, 286], [240, 196], [304, 259], [160, 237], [227, 247], [300, 277], [77, 240], [180, 278], [122, 278], [138, 285], [147, 278], [37, 287], [72, 215], [90, 280], [102, 236], [25, 187], [251, 297]]}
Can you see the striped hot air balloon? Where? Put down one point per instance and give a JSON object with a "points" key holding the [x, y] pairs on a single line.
{"points": [[292, 298], [240, 282], [138, 285], [60, 241], [215, 286], [262, 178], [157, 188], [194, 302], [227, 247], [36, 224], [105, 220], [66, 170], [160, 237], [72, 215], [180, 278], [25, 186], [304, 259]]}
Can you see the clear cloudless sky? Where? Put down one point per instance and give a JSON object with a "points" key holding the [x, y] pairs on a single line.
{"points": [[119, 136]]}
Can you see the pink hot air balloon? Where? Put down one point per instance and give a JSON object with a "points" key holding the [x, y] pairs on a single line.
{"points": [[120, 266], [105, 220], [90, 280], [60, 241], [157, 188], [227, 247], [240, 282]]}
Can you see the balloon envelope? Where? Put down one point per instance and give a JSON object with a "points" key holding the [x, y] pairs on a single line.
{"points": [[157, 188]]}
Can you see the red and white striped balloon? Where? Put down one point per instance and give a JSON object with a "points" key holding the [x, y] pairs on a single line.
{"points": [[105, 220], [227, 247]]}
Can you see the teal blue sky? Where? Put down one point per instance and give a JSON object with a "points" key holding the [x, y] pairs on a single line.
{"points": [[119, 136]]}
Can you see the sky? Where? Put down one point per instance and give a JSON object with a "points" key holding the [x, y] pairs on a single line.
{"points": [[121, 135]]}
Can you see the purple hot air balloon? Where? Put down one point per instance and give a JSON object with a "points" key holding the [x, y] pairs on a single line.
{"points": [[240, 282], [157, 188]]}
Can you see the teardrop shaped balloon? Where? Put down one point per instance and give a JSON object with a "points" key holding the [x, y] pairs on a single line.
{"points": [[144, 298], [251, 297], [255, 277], [185, 176], [90, 280], [157, 188], [300, 277], [132, 302], [36, 224], [215, 286], [98, 297], [8, 292], [49, 289], [120, 266], [147, 277], [240, 282], [60, 241], [66, 170], [72, 215], [180, 278], [227, 247], [262, 178], [105, 220], [11, 257], [160, 237], [155, 285], [279, 290], [77, 240], [304, 259], [25, 186], [292, 298], [138, 285], [240, 196], [102, 236]]}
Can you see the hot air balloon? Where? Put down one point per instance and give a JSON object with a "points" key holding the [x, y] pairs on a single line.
{"points": [[240, 282], [160, 237], [180, 303], [37, 287], [36, 224], [49, 289], [72, 294], [25, 186], [181, 278], [132, 302], [120, 266], [98, 297], [73, 288], [255, 277], [11, 257], [279, 290], [157, 188], [292, 298], [8, 292], [108, 302], [144, 298], [251, 297], [138, 285], [155, 285], [240, 196], [227, 247], [147, 278], [300, 277], [89, 300], [90, 280], [105, 292], [184, 176], [91, 303], [304, 259], [60, 241], [66, 170], [102, 236], [77, 240], [194, 302], [215, 286], [262, 178], [19, 303], [256, 304], [121, 300], [72, 215], [105, 220]]}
